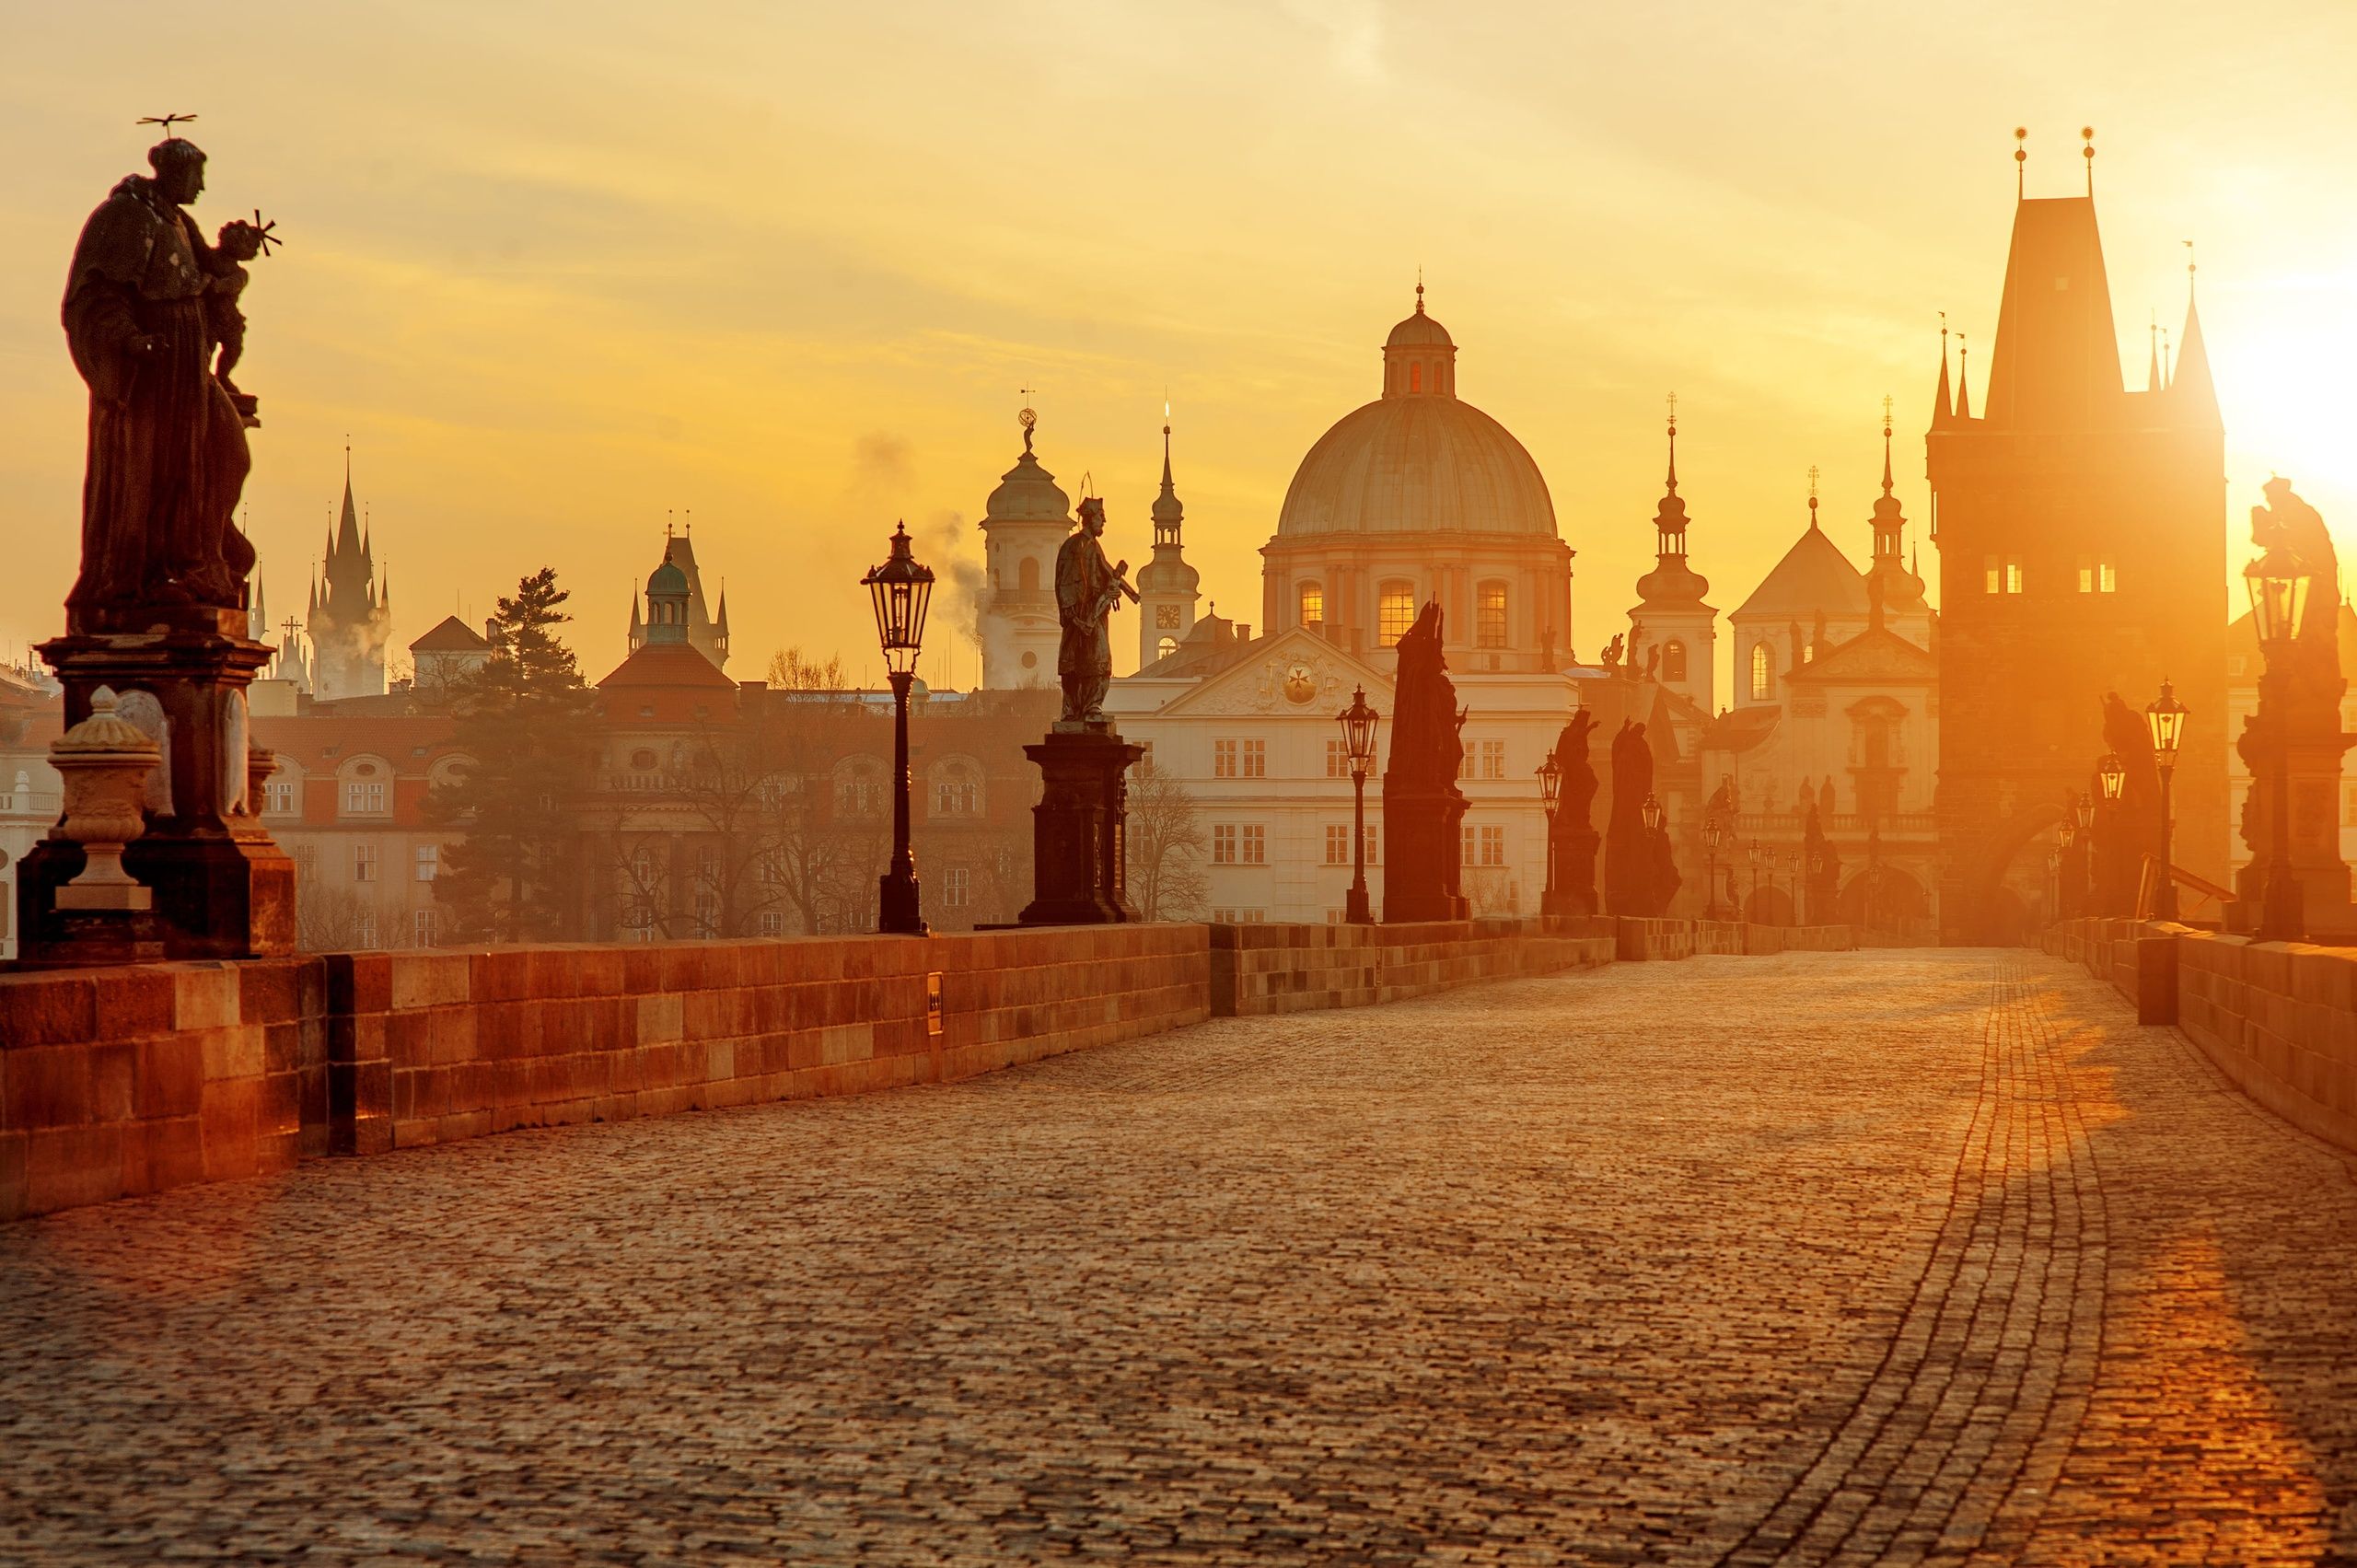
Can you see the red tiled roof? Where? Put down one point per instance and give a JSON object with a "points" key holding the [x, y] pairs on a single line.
{"points": [[676, 665], [451, 635]]}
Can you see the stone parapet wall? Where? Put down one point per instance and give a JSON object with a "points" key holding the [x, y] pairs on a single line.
{"points": [[1262, 969], [2278, 1019], [115, 1082]]}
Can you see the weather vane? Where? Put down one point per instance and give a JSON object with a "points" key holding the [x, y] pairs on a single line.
{"points": [[166, 121], [1026, 419]]}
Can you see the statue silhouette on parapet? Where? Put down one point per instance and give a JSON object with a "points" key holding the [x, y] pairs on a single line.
{"points": [[1610, 659], [1423, 808], [2131, 829], [1573, 833], [147, 305], [1632, 859], [1087, 590], [1821, 865], [2299, 710]]}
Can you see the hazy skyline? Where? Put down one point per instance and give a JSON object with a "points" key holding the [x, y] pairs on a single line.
{"points": [[558, 271]]}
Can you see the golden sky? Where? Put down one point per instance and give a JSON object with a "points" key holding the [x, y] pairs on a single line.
{"points": [[559, 269]]}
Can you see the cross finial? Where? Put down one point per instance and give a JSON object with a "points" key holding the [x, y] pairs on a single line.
{"points": [[166, 121], [2188, 261], [2088, 135], [1812, 481], [1885, 413], [1420, 290], [2021, 157]]}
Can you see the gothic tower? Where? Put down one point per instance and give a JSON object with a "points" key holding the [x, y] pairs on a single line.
{"points": [[707, 633], [1889, 580], [1024, 525], [1168, 586], [2082, 535], [1670, 614], [350, 617]]}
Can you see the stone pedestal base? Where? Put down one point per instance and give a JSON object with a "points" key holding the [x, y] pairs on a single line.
{"points": [[1078, 874], [223, 889], [1422, 851], [1574, 891]]}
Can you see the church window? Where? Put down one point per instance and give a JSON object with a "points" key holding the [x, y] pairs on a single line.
{"points": [[1256, 844], [1337, 759], [1027, 576], [1255, 758], [1166, 648], [1763, 665], [1395, 611], [1673, 661], [1338, 844], [1491, 621], [1223, 759], [1224, 844], [1415, 378], [1313, 605]]}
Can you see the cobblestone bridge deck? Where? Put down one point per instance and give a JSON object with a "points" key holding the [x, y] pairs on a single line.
{"points": [[1875, 1258]]}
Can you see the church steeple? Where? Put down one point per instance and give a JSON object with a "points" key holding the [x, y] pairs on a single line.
{"points": [[2191, 390], [1167, 585], [1963, 378], [1670, 614], [1943, 400]]}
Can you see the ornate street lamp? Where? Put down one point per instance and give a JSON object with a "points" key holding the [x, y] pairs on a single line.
{"points": [[902, 589], [1792, 874], [1550, 787], [2065, 896], [1358, 721], [1815, 880], [1713, 835], [2113, 776], [2279, 582], [1754, 879], [2164, 716]]}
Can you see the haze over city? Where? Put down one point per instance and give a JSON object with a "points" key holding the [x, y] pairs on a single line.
{"points": [[559, 272]]}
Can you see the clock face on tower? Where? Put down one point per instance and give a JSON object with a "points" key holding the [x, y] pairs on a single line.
{"points": [[1166, 616], [1301, 685]]}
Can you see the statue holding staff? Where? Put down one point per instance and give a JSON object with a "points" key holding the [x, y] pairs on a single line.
{"points": [[1087, 590]]}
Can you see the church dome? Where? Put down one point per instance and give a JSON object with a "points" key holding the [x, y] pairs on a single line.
{"points": [[1417, 460], [667, 579], [1028, 494]]}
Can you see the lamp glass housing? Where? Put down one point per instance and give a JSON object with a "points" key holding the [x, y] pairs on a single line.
{"points": [[2113, 776], [1359, 722], [901, 590], [1550, 782], [2084, 810], [1651, 814], [2164, 716], [2279, 582]]}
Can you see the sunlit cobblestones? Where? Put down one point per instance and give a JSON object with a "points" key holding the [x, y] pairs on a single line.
{"points": [[1890, 1256]]}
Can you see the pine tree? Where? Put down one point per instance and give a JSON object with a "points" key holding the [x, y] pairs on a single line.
{"points": [[524, 718]]}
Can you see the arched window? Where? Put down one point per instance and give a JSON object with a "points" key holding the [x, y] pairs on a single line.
{"points": [[1763, 664], [1673, 661], [1415, 378], [957, 788], [1166, 648], [1490, 619], [1395, 611], [1027, 576], [1313, 606]]}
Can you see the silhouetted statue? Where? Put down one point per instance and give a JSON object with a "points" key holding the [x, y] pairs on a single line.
{"points": [[1611, 656], [2299, 709], [147, 303], [1573, 831], [1821, 865], [1630, 860], [1423, 808], [1087, 589], [2130, 830]]}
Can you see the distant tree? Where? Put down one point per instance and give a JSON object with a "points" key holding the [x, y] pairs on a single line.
{"points": [[790, 671], [1165, 837], [338, 919], [522, 718]]}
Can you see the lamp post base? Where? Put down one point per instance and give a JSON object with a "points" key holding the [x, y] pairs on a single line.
{"points": [[898, 907]]}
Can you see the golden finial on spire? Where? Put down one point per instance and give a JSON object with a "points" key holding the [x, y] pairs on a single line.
{"points": [[2088, 135], [1419, 289], [2021, 157], [2188, 264], [1885, 413], [1812, 496], [1027, 419]]}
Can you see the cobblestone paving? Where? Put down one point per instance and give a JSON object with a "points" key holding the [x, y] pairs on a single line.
{"points": [[1875, 1258]]}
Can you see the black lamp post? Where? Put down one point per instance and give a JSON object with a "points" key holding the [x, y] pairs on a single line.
{"points": [[2112, 778], [1550, 787], [1792, 874], [1653, 816], [2279, 583], [1815, 880], [1358, 721], [1711, 834], [2065, 896], [2164, 716], [1754, 879], [902, 589]]}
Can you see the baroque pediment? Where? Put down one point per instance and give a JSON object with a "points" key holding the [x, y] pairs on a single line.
{"points": [[1294, 674]]}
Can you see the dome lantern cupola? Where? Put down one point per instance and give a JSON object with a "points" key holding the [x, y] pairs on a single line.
{"points": [[1418, 357], [667, 602]]}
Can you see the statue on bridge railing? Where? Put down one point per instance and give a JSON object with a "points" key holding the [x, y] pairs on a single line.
{"points": [[1423, 808], [1575, 840], [1639, 875]]}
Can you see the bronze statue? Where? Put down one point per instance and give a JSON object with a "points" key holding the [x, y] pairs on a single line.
{"points": [[1423, 807], [147, 303], [1574, 829], [1087, 588], [1630, 856]]}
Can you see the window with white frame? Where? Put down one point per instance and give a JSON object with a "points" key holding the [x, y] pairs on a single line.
{"points": [[428, 858], [364, 797], [1337, 759], [1224, 844], [956, 888], [280, 800], [367, 925], [424, 925], [772, 923], [956, 792], [1374, 843], [1255, 759], [1255, 845], [1493, 846], [365, 862], [1223, 759], [1338, 844]]}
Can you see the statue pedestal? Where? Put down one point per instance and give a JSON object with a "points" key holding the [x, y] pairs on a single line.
{"points": [[1076, 830], [1574, 891], [223, 889], [1422, 854]]}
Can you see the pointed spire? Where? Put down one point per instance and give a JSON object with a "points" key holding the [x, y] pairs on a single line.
{"points": [[2088, 135], [2191, 385], [1673, 443], [1167, 512], [2153, 367], [720, 624], [1886, 444], [1963, 378], [1943, 400], [1420, 290], [2021, 157], [1812, 498]]}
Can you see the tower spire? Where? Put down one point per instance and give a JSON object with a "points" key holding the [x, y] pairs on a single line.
{"points": [[1812, 498], [1943, 399], [2021, 157], [1886, 444], [1963, 377], [1673, 443], [2191, 385], [2088, 135]]}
